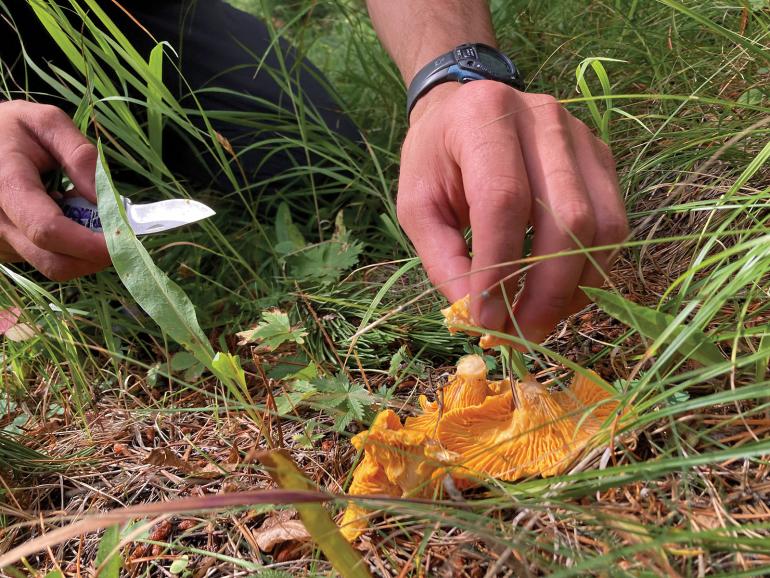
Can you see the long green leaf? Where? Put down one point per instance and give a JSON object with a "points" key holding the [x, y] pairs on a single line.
{"points": [[162, 299], [325, 532], [656, 324], [108, 561]]}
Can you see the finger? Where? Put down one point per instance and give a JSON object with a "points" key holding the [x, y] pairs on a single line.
{"points": [[494, 178], [71, 150], [437, 240], [55, 266], [563, 219], [37, 216], [598, 169]]}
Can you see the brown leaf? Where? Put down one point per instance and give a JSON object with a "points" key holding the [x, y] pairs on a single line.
{"points": [[277, 530], [165, 458]]}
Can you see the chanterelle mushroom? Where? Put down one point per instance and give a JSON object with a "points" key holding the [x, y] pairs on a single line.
{"points": [[466, 388], [397, 462], [474, 430], [459, 313], [540, 436]]}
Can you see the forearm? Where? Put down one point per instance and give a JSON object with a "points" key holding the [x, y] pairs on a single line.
{"points": [[416, 31]]}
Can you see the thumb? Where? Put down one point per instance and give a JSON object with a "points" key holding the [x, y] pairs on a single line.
{"points": [[71, 150]]}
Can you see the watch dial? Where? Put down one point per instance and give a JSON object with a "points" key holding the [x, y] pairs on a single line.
{"points": [[493, 63]]}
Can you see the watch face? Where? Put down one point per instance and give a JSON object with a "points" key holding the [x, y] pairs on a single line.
{"points": [[492, 62]]}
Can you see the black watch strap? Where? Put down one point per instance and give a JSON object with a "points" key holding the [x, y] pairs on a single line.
{"points": [[465, 63]]}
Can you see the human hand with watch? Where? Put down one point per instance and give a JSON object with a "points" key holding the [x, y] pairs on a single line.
{"points": [[481, 153]]}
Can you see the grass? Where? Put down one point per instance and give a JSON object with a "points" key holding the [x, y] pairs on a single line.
{"points": [[682, 492]]}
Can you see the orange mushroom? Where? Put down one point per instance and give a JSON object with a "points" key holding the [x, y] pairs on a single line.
{"points": [[475, 430], [459, 313], [542, 434], [397, 462], [466, 388]]}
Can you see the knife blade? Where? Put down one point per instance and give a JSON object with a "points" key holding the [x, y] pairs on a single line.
{"points": [[145, 218]]}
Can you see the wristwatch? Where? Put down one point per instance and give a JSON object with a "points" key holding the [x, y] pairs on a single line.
{"points": [[465, 63]]}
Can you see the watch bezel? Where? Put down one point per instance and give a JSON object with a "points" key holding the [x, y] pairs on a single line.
{"points": [[462, 65]]}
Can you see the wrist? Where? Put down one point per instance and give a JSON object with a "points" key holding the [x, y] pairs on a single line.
{"points": [[433, 98], [428, 51]]}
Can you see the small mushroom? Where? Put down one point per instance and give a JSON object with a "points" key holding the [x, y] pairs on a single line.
{"points": [[369, 478], [541, 436], [397, 462], [459, 313], [466, 388]]}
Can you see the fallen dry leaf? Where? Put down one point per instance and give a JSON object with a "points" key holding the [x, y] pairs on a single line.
{"points": [[165, 458], [279, 529], [21, 332]]}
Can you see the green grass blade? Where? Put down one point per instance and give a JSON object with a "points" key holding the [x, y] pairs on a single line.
{"points": [[154, 104], [656, 324], [108, 560], [325, 532]]}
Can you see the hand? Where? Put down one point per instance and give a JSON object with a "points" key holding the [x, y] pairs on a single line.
{"points": [[38, 138], [485, 155]]}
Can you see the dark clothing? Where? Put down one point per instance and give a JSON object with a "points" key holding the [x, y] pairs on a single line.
{"points": [[220, 48]]}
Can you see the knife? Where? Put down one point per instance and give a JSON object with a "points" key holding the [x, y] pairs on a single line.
{"points": [[144, 219]]}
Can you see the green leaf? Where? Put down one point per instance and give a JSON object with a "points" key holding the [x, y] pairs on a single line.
{"points": [[654, 324], [274, 330], [108, 555], [162, 299], [350, 400], [325, 262], [752, 97], [227, 366], [179, 565], [300, 390], [345, 559], [288, 236], [182, 360], [395, 362]]}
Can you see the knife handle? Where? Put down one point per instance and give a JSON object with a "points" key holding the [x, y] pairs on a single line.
{"points": [[82, 211]]}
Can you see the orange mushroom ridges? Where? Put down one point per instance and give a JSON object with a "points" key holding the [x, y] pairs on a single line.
{"points": [[474, 430]]}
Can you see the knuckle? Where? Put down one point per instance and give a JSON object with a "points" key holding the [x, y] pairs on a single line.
{"points": [[606, 157], [48, 114], [612, 230], [545, 104], [42, 234], [578, 220], [411, 213], [57, 273], [83, 154], [506, 192]]}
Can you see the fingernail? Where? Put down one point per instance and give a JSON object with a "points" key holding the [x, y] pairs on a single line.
{"points": [[494, 313]]}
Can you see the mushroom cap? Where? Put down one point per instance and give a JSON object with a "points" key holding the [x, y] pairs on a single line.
{"points": [[407, 458], [459, 313], [369, 478], [541, 436], [467, 387], [586, 391]]}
